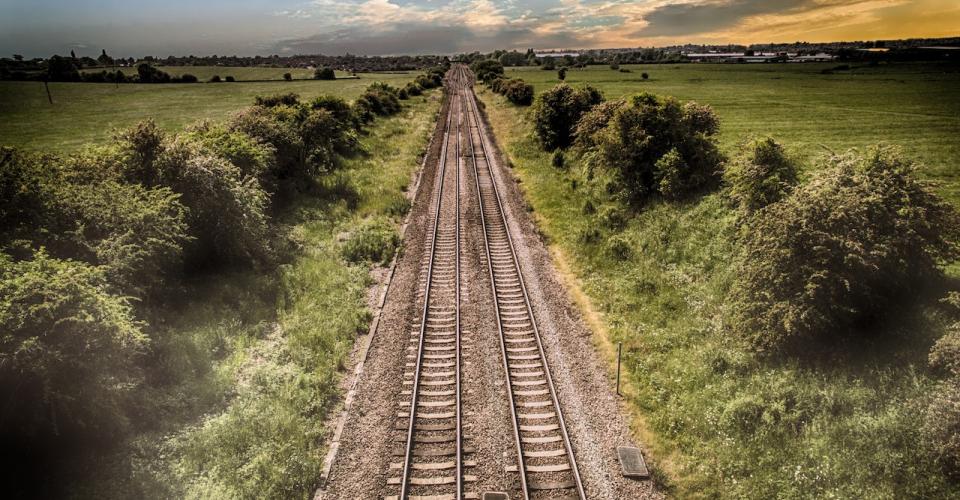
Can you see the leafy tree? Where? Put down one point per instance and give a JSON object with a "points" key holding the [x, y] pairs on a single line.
{"points": [[104, 59], [562, 74], [840, 251], [288, 77], [659, 146], [557, 111], [62, 69], [644, 75]]}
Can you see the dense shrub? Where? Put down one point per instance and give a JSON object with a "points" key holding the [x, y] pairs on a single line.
{"points": [[518, 92], [287, 77], [149, 74], [374, 241], [215, 79], [760, 174], [487, 69], [414, 89], [658, 146], [325, 74], [254, 158], [941, 427], [557, 111], [378, 99], [135, 233], [270, 101], [562, 74], [226, 209], [644, 75], [306, 137], [594, 121], [230, 79], [188, 78], [945, 354], [840, 250], [67, 350]]}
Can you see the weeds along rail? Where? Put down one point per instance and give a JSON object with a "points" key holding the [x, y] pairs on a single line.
{"points": [[546, 463], [432, 460]]}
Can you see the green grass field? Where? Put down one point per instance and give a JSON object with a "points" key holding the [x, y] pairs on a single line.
{"points": [[718, 421], [916, 106], [82, 113]]}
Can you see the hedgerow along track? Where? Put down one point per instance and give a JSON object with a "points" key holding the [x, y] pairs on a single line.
{"points": [[433, 465]]}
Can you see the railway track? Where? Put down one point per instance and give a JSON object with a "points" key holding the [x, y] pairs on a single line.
{"points": [[433, 463], [546, 462]]}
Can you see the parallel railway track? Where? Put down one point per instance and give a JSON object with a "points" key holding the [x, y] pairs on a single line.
{"points": [[433, 464]]}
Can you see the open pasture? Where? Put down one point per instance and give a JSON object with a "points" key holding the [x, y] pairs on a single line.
{"points": [[916, 106], [82, 113]]}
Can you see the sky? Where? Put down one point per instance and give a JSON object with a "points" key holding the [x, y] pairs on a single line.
{"points": [[40, 28]]}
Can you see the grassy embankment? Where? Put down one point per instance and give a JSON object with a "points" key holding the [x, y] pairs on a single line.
{"points": [[252, 362], [717, 420], [89, 112]]}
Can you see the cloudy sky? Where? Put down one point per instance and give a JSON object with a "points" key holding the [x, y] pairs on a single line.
{"points": [[248, 27]]}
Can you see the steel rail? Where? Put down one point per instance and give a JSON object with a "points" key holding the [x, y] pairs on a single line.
{"points": [[405, 476], [471, 105]]}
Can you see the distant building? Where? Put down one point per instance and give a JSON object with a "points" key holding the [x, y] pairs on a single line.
{"points": [[755, 57], [556, 54]]}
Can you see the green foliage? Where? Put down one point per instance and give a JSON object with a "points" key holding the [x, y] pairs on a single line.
{"points": [[67, 349], [840, 250], [134, 232], [487, 69], [594, 121], [557, 111], [226, 209], [379, 99], [657, 146], [253, 158], [760, 174], [941, 427], [562, 74], [373, 241], [324, 74], [518, 92]]}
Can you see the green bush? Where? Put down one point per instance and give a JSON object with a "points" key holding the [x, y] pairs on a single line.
{"points": [[945, 353], [594, 121], [67, 351], [254, 158], [941, 427], [760, 174], [840, 251], [324, 74], [226, 209], [658, 146], [518, 92], [414, 89], [373, 241], [487, 69], [134, 232], [378, 99], [557, 111]]}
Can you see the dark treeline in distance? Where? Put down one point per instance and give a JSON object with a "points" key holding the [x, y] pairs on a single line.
{"points": [[69, 68]]}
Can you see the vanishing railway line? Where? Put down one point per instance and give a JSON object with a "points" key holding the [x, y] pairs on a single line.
{"points": [[433, 464]]}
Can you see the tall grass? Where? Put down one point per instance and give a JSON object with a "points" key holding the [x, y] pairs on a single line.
{"points": [[718, 421]]}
